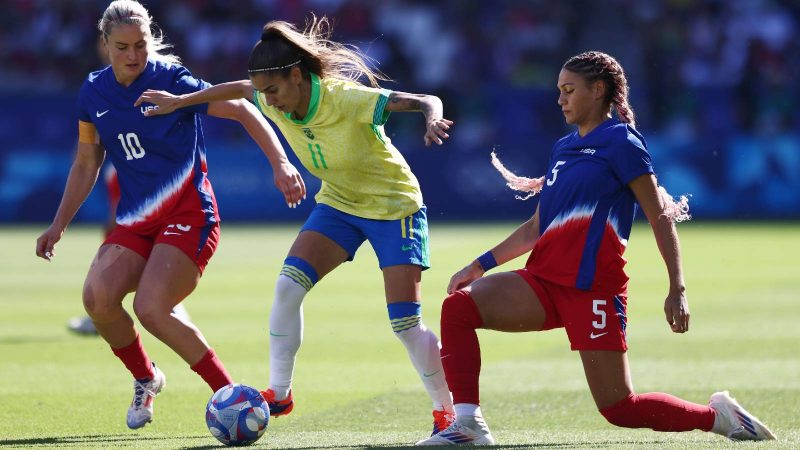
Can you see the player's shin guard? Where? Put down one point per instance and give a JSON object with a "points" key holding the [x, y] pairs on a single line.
{"points": [[461, 351], [286, 322], [213, 372], [660, 412], [135, 359], [423, 349]]}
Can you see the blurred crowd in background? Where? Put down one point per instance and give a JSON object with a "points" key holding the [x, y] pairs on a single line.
{"points": [[713, 82]]}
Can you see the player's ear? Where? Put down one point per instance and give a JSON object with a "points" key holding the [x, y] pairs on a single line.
{"points": [[295, 75], [599, 89]]}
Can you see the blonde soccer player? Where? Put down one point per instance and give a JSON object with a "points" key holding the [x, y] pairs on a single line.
{"points": [[167, 219]]}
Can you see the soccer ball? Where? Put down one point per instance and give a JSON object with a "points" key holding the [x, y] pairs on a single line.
{"points": [[237, 415]]}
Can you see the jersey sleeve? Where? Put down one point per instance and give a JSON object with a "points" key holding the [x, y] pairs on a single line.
{"points": [[365, 104], [185, 83], [631, 159], [83, 108]]}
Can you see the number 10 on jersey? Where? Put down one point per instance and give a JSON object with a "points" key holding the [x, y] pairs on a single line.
{"points": [[131, 145]]}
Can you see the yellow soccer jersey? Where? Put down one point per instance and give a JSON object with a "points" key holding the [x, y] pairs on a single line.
{"points": [[341, 141]]}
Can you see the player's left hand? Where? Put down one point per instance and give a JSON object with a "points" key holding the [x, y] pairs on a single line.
{"points": [[290, 183], [436, 131], [165, 101], [676, 309]]}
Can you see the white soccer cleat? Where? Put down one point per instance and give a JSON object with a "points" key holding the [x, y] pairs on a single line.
{"points": [[82, 325], [180, 312], [466, 430], [734, 422], [140, 412]]}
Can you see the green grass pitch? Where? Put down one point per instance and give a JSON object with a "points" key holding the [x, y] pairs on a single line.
{"points": [[355, 387]]}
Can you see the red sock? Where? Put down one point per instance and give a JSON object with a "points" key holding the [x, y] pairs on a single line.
{"points": [[135, 359], [661, 412], [212, 371], [461, 351]]}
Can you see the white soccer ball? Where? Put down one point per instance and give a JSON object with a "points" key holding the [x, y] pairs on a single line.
{"points": [[237, 415]]}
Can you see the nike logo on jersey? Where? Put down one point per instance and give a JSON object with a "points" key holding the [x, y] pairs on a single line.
{"points": [[595, 336], [405, 248], [101, 114], [428, 375], [588, 151]]}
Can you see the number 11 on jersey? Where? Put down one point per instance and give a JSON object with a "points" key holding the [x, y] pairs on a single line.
{"points": [[316, 150]]}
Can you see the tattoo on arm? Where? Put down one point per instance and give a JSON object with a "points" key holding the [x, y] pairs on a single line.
{"points": [[403, 101]]}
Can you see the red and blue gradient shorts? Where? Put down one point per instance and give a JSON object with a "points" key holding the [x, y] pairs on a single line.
{"points": [[592, 320], [197, 242]]}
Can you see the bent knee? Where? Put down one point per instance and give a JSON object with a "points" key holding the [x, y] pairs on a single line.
{"points": [[623, 413], [150, 314], [99, 301], [459, 308]]}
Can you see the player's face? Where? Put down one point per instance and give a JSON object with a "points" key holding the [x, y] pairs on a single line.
{"points": [[580, 101], [127, 51], [282, 92]]}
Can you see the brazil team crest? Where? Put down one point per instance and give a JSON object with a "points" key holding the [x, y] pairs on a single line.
{"points": [[308, 133]]}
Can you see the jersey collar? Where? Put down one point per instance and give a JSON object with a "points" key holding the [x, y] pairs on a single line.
{"points": [[313, 102]]}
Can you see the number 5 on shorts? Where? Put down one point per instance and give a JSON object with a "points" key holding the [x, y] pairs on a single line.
{"points": [[596, 308]]}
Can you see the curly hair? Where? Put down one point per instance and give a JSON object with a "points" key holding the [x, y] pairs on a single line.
{"points": [[598, 66]]}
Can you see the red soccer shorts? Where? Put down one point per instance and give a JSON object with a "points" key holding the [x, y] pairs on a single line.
{"points": [[197, 242], [593, 320]]}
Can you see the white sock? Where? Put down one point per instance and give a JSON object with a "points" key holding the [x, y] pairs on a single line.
{"points": [[423, 349], [285, 334], [467, 409]]}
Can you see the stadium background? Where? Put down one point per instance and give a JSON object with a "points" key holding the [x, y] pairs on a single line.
{"points": [[713, 84]]}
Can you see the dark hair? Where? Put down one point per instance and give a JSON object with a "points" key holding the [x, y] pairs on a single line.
{"points": [[594, 66], [283, 46]]}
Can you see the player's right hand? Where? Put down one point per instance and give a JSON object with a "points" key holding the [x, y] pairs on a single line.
{"points": [[465, 277], [165, 102], [289, 181], [46, 244]]}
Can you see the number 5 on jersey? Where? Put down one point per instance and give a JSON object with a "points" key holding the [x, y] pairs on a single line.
{"points": [[131, 145], [552, 181]]}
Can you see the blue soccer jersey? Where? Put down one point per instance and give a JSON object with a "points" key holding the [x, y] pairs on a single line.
{"points": [[586, 208], [160, 160]]}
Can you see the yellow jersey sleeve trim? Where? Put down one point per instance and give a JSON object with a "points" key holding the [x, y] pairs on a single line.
{"points": [[87, 133]]}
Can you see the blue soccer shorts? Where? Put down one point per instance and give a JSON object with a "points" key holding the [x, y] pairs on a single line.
{"points": [[396, 242]]}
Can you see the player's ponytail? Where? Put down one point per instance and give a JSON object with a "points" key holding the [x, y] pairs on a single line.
{"points": [[132, 12], [594, 66], [282, 46], [531, 186]]}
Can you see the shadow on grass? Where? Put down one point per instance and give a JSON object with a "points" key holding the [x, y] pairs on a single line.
{"points": [[17, 340], [100, 440], [588, 445]]}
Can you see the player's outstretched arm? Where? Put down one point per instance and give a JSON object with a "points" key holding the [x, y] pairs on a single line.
{"points": [[436, 126], [521, 241], [676, 306], [82, 177], [286, 177], [168, 102]]}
